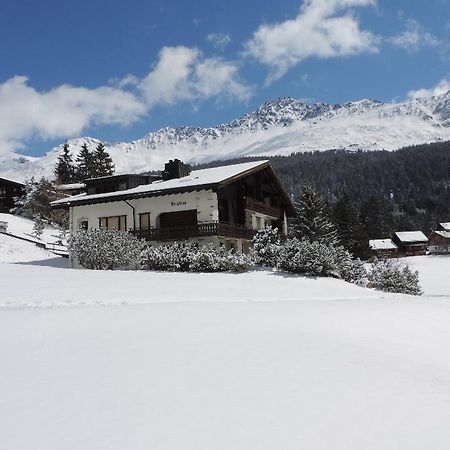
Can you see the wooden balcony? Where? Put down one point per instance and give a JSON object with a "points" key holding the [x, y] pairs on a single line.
{"points": [[263, 208], [192, 231]]}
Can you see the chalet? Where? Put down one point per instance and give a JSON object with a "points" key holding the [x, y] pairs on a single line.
{"points": [[383, 248], [439, 240], [410, 243], [8, 190], [225, 205]]}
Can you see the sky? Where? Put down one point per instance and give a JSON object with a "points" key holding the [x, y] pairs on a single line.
{"points": [[118, 70]]}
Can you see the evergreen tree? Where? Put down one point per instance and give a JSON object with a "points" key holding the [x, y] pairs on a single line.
{"points": [[375, 217], [350, 231], [312, 220], [64, 169], [38, 226], [102, 162], [85, 164]]}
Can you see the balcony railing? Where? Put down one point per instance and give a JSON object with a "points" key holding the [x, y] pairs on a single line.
{"points": [[263, 208], [199, 230]]}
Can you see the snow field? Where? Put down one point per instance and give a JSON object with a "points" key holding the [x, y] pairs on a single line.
{"points": [[259, 360]]}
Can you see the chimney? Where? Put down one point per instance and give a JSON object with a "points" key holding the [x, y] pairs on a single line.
{"points": [[175, 169]]}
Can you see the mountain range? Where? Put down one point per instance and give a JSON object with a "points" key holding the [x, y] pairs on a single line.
{"points": [[279, 127]]}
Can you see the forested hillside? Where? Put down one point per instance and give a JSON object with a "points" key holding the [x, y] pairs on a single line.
{"points": [[403, 190]]}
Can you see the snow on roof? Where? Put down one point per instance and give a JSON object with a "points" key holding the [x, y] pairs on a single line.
{"points": [[69, 186], [382, 244], [11, 181], [195, 178], [445, 234], [445, 226], [411, 236]]}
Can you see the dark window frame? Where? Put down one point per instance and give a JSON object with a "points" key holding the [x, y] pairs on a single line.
{"points": [[140, 220], [106, 219]]}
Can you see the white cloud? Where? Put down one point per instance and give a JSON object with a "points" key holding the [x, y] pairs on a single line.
{"points": [[441, 88], [219, 40], [414, 37], [62, 111], [320, 29], [183, 73], [180, 74]]}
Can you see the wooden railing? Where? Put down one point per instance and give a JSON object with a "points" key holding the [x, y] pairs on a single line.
{"points": [[199, 230], [261, 207]]}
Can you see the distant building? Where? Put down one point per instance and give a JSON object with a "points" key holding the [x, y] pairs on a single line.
{"points": [[444, 226], [9, 189], [383, 248], [70, 188], [411, 243], [439, 240]]}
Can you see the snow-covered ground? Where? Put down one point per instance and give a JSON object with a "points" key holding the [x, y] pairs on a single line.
{"points": [[135, 360], [23, 227]]}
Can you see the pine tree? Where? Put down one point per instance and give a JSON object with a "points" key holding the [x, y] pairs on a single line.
{"points": [[38, 226], [102, 162], [312, 220], [85, 164], [64, 169], [350, 231]]}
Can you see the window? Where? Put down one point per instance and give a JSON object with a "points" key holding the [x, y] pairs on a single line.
{"points": [[144, 221], [2, 192], [83, 224], [113, 223]]}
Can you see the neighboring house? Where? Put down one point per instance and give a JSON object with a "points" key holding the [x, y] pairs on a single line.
{"points": [[383, 248], [411, 243], [225, 205], [439, 240], [9, 189], [444, 226]]}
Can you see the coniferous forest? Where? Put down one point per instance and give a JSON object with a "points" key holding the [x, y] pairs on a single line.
{"points": [[407, 189]]}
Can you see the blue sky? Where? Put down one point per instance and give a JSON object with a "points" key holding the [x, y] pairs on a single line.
{"points": [[117, 70]]}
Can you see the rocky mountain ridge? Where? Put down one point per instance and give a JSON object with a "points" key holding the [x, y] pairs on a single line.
{"points": [[281, 126]]}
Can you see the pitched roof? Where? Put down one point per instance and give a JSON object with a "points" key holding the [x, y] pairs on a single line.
{"points": [[18, 183], [202, 178], [382, 244], [445, 234], [411, 236], [445, 226]]}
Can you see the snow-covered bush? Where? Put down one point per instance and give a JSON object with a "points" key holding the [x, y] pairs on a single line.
{"points": [[172, 258], [312, 258], [189, 257], [266, 247], [303, 256], [390, 276], [105, 249]]}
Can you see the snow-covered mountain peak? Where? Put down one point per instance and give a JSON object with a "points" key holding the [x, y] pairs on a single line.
{"points": [[278, 127]]}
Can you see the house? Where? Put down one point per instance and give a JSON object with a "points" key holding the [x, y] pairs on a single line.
{"points": [[410, 243], [444, 226], [439, 240], [383, 248], [8, 190], [225, 205]]}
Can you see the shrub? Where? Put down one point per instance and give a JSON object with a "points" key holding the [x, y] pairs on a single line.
{"points": [[310, 258], [390, 276], [105, 250], [189, 257], [266, 247]]}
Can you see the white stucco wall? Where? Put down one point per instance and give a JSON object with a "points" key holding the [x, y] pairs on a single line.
{"points": [[205, 202]]}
